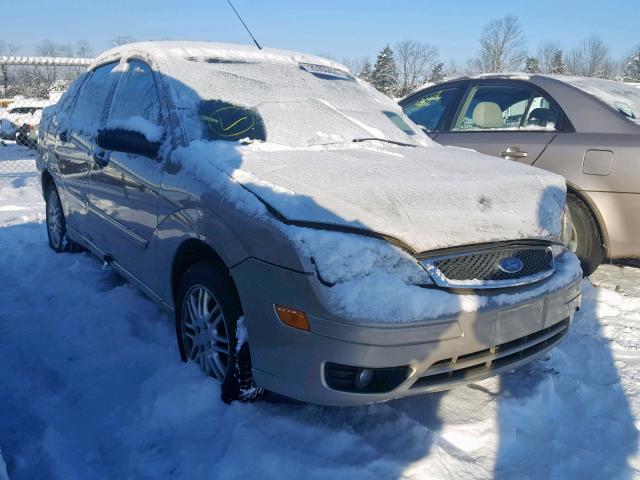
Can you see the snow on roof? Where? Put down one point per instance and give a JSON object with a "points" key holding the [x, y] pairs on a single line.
{"points": [[231, 51]]}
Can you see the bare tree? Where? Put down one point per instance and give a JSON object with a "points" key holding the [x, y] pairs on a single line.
{"points": [[83, 49], [547, 52], [454, 69], [122, 40], [502, 46], [7, 49], [591, 59], [414, 60]]}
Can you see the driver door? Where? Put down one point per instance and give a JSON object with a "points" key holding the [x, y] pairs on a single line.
{"points": [[124, 187]]}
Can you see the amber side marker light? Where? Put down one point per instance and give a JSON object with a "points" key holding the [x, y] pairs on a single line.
{"points": [[292, 318]]}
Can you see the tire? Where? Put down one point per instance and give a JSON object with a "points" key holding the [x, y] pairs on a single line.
{"points": [[57, 224], [589, 246], [207, 314]]}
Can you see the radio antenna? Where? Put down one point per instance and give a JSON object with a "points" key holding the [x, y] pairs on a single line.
{"points": [[244, 25]]}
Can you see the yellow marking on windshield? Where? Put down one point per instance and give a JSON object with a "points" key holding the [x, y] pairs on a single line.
{"points": [[223, 130], [233, 124]]}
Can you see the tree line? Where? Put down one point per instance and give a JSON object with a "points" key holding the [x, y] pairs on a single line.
{"points": [[396, 71], [39, 80], [409, 64]]}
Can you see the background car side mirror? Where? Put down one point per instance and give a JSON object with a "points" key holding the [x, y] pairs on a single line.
{"points": [[120, 140]]}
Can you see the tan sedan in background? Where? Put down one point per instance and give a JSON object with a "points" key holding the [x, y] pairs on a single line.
{"points": [[587, 130]]}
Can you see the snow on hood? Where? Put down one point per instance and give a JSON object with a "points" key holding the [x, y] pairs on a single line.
{"points": [[401, 190], [427, 198]]}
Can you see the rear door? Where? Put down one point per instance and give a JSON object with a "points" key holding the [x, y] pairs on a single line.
{"points": [[512, 120], [74, 145], [124, 187]]}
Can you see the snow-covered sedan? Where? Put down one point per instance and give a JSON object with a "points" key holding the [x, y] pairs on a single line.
{"points": [[308, 238]]}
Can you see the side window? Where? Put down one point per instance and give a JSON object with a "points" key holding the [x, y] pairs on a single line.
{"points": [[95, 91], [542, 115], [66, 102], [427, 110], [136, 96], [503, 107]]}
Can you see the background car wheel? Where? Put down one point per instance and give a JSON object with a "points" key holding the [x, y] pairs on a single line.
{"points": [[57, 225], [588, 241], [208, 311]]}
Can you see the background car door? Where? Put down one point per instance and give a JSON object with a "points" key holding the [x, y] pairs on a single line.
{"points": [[74, 145], [124, 187], [512, 121]]}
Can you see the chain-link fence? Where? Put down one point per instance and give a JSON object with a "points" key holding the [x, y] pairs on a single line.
{"points": [[27, 86]]}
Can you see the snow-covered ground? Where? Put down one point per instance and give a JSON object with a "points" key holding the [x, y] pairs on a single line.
{"points": [[16, 163], [91, 387]]}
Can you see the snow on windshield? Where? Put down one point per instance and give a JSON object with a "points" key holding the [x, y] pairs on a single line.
{"points": [[298, 105], [619, 96]]}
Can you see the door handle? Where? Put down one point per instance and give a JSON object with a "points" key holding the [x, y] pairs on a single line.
{"points": [[513, 152], [101, 157], [63, 136]]}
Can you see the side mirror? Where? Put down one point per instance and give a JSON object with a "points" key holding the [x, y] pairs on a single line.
{"points": [[120, 140]]}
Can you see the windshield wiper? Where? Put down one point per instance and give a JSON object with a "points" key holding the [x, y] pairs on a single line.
{"points": [[392, 142]]}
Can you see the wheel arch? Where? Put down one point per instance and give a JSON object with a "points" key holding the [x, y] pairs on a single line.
{"points": [[193, 250], [46, 180], [595, 212]]}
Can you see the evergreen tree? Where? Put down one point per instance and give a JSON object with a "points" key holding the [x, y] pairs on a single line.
{"points": [[385, 74], [365, 73], [632, 67], [557, 64], [437, 73], [532, 65]]}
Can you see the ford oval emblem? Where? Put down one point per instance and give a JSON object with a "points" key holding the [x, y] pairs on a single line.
{"points": [[510, 265]]}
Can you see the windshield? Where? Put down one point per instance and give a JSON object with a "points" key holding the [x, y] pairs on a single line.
{"points": [[284, 102], [619, 96]]}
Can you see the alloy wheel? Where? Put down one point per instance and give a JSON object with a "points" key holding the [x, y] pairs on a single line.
{"points": [[204, 333]]}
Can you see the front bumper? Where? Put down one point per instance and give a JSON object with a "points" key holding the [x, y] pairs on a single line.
{"points": [[440, 353]]}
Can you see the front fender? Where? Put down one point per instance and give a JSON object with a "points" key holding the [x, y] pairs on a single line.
{"points": [[193, 224]]}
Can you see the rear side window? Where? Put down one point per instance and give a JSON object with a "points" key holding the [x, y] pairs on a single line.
{"points": [[506, 107], [93, 95], [427, 110]]}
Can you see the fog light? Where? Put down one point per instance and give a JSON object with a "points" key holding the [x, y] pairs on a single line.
{"points": [[346, 378], [364, 378]]}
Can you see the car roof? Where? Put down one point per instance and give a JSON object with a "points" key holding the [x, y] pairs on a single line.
{"points": [[163, 51]]}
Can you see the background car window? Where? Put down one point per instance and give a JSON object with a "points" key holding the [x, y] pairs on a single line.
{"points": [[501, 107], [427, 110], [136, 95], [542, 115], [92, 97]]}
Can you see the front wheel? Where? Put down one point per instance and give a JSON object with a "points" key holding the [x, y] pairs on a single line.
{"points": [[208, 312]]}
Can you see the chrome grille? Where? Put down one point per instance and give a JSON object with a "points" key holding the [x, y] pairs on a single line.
{"points": [[481, 269]]}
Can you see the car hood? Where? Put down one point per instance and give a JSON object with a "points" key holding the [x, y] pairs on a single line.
{"points": [[425, 197]]}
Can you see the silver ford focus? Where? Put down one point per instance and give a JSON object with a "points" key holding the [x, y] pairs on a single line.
{"points": [[307, 236]]}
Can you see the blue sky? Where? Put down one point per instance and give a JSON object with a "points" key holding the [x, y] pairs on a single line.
{"points": [[341, 28]]}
